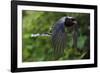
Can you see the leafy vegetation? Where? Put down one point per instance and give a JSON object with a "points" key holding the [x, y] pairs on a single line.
{"points": [[39, 48]]}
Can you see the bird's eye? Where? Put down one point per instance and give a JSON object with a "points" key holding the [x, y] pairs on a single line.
{"points": [[73, 19]]}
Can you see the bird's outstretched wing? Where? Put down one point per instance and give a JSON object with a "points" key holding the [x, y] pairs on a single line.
{"points": [[58, 40]]}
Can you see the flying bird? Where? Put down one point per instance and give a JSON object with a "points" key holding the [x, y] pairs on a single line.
{"points": [[59, 35]]}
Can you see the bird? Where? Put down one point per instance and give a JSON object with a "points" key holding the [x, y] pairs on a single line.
{"points": [[59, 34]]}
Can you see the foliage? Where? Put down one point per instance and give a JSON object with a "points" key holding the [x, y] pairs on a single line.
{"points": [[39, 48]]}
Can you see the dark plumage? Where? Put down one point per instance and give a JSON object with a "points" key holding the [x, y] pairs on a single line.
{"points": [[59, 35]]}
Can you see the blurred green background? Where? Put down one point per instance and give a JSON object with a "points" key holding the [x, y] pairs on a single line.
{"points": [[39, 48]]}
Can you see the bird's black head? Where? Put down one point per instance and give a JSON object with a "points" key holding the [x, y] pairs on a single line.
{"points": [[70, 21]]}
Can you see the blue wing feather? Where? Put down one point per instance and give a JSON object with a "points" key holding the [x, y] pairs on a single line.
{"points": [[59, 39]]}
